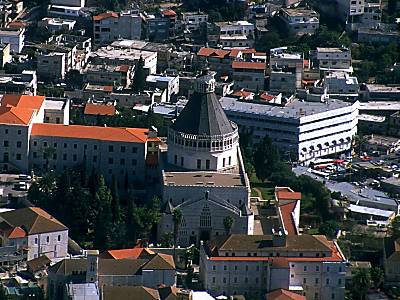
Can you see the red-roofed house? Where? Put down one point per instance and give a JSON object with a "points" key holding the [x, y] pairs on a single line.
{"points": [[110, 26], [219, 60], [94, 110], [249, 75], [281, 294]]}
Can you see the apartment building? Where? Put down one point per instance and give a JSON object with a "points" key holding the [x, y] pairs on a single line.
{"points": [[111, 26], [340, 83], [14, 37], [56, 24], [116, 56], [121, 75], [30, 144], [170, 84], [194, 20], [35, 230], [51, 66], [24, 83], [236, 28], [350, 10], [299, 21], [285, 70], [334, 59], [249, 75], [255, 264], [306, 129]]}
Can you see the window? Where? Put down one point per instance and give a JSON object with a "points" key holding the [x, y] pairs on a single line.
{"points": [[229, 161], [327, 269], [110, 160], [327, 281], [199, 164], [35, 143], [36, 241], [18, 156], [214, 268], [176, 159], [75, 146], [305, 268], [317, 268], [6, 131], [19, 131], [333, 296], [122, 161], [134, 162], [19, 144], [304, 280], [224, 280], [247, 268], [182, 161], [134, 150], [223, 162], [225, 268], [74, 157], [235, 280], [123, 149], [213, 279], [5, 143], [47, 239], [44, 144], [207, 164], [64, 156], [316, 280], [95, 147], [65, 145], [339, 281]]}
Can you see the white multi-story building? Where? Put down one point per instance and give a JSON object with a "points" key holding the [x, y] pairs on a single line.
{"points": [[193, 20], [306, 129], [111, 26], [75, 3], [236, 34], [14, 37], [28, 143], [334, 59], [254, 265], [35, 230], [205, 177], [340, 83], [348, 9], [168, 83], [300, 21]]}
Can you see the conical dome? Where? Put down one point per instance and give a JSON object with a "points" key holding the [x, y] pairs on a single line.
{"points": [[203, 114]]}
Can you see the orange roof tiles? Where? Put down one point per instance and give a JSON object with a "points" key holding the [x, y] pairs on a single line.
{"points": [[112, 134], [168, 12], [213, 52], [19, 109], [242, 93], [266, 97], [133, 253], [248, 65], [282, 294], [105, 15], [17, 232], [99, 109], [288, 195], [287, 218]]}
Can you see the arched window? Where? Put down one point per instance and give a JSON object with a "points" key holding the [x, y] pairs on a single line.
{"points": [[205, 217]]}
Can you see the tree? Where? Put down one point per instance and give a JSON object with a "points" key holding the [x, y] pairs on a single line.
{"points": [[116, 210], [266, 158], [329, 228], [3, 295], [395, 227], [177, 218], [228, 222], [361, 283], [377, 276], [139, 79]]}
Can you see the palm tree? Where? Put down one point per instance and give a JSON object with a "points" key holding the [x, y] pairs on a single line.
{"points": [[377, 276], [358, 143], [228, 222], [177, 218], [361, 283], [48, 154]]}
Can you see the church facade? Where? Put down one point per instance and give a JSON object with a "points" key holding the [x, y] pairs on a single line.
{"points": [[204, 175]]}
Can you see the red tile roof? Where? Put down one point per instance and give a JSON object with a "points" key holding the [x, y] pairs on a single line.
{"points": [[288, 195], [113, 134], [219, 53], [266, 97], [168, 12], [133, 253], [19, 109], [248, 65], [105, 15], [99, 109], [242, 94], [16, 233], [286, 211], [282, 294]]}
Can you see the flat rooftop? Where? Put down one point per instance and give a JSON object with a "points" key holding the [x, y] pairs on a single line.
{"points": [[205, 178], [54, 104], [116, 53], [383, 88], [300, 12], [380, 105], [371, 118], [332, 50], [293, 110]]}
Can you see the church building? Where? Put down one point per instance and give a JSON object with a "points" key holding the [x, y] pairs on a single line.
{"points": [[204, 175]]}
